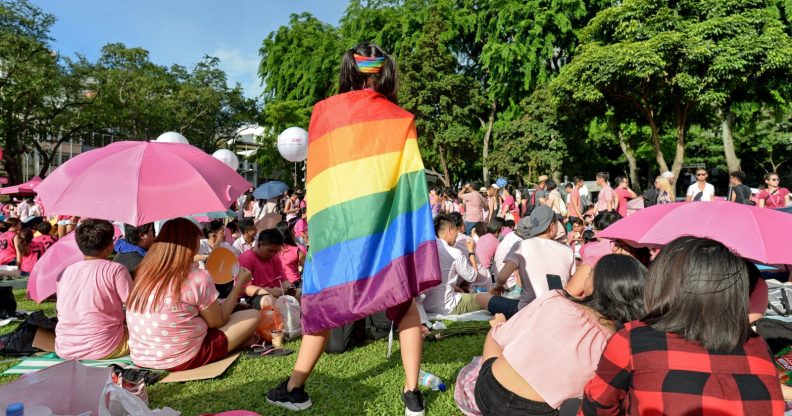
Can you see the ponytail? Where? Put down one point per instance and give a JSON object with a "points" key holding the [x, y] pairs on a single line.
{"points": [[384, 80]]}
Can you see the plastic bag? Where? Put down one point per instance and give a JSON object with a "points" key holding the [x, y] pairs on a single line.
{"points": [[270, 321], [289, 309], [116, 401]]}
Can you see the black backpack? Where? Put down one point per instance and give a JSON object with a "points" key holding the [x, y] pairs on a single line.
{"points": [[650, 197]]}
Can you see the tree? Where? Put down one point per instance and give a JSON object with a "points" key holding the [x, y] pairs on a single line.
{"points": [[665, 59]]}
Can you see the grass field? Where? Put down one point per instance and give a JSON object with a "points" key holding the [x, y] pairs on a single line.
{"points": [[362, 381]]}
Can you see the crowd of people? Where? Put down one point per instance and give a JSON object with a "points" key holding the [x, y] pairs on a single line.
{"points": [[622, 329]]}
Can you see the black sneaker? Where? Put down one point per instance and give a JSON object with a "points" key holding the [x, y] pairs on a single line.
{"points": [[413, 403], [294, 400]]}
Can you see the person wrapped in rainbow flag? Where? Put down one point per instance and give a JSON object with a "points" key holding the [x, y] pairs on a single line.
{"points": [[372, 237]]}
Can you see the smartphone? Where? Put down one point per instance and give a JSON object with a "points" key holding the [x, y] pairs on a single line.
{"points": [[554, 282]]}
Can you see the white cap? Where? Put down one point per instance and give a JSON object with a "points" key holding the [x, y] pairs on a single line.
{"points": [[495, 186], [667, 174]]}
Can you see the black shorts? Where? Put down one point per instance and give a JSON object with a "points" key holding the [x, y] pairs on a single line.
{"points": [[506, 306], [495, 400]]}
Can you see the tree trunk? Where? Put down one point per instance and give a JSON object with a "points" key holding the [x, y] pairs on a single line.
{"points": [[444, 165], [487, 136], [681, 130], [632, 162], [727, 122], [661, 163]]}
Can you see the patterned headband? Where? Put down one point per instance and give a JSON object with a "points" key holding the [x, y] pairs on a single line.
{"points": [[368, 65]]}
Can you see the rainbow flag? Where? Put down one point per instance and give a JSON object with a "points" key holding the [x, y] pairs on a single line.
{"points": [[372, 240]]}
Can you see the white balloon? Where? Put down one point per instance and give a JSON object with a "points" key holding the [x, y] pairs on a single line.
{"points": [[172, 137], [228, 157], [293, 144]]}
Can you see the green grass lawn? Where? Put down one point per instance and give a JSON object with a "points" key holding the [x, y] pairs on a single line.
{"points": [[362, 381]]}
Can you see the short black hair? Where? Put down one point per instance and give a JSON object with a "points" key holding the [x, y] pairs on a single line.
{"points": [[495, 225], [577, 179], [619, 179], [443, 222], [233, 226], [604, 220], [509, 223], [270, 236], [44, 228], [481, 228], [94, 236], [569, 185], [132, 234], [575, 221], [456, 218], [738, 174], [589, 236], [213, 227], [246, 225], [551, 184]]}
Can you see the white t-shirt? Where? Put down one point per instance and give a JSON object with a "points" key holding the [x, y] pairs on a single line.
{"points": [[709, 191], [205, 249], [240, 245], [535, 259], [453, 266], [505, 246]]}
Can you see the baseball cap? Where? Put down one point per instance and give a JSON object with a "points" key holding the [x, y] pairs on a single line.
{"points": [[542, 178], [540, 220]]}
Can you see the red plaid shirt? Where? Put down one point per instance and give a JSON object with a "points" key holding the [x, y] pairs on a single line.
{"points": [[646, 372]]}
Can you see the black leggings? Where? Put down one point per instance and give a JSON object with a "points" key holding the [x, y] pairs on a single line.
{"points": [[494, 400]]}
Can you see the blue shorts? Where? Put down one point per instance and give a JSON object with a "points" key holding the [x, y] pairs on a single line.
{"points": [[506, 306]]}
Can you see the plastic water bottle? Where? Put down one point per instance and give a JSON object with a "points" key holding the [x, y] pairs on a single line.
{"points": [[15, 409], [430, 380]]}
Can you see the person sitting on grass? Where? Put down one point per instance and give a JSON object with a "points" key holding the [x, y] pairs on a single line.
{"points": [[9, 241], [264, 263], [91, 297], [175, 319], [28, 252], [45, 238], [292, 257], [247, 237], [131, 249], [455, 268], [543, 264], [568, 334], [693, 351]]}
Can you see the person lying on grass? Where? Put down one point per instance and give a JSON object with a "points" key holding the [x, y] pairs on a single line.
{"points": [[174, 317], [568, 333], [91, 298]]}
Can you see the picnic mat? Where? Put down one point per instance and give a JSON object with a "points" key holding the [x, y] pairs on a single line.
{"points": [[33, 364]]}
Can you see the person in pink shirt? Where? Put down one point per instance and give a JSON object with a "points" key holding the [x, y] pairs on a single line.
{"points": [[291, 257], [575, 206], [606, 199], [45, 238], [28, 251], [264, 263], [547, 352], [9, 241], [486, 246], [624, 193], [91, 297], [175, 319], [773, 196], [509, 207], [474, 206]]}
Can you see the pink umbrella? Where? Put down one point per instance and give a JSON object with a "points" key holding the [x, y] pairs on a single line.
{"points": [[49, 268], [754, 233], [141, 182], [27, 188]]}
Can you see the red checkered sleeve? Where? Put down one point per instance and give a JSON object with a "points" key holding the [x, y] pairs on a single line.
{"points": [[606, 393]]}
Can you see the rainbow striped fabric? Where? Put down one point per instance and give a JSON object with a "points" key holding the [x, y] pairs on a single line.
{"points": [[372, 241]]}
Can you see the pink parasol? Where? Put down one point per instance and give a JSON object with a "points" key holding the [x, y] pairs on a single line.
{"points": [[49, 268], [27, 188], [754, 233], [141, 182]]}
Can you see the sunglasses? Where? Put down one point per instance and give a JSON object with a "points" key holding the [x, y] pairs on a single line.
{"points": [[773, 179], [701, 174]]}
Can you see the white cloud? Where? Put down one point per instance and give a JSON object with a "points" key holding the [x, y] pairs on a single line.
{"points": [[240, 66]]}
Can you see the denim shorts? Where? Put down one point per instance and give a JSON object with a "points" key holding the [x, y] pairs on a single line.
{"points": [[495, 400], [506, 306]]}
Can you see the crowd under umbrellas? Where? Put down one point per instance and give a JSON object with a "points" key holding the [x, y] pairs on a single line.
{"points": [[172, 180]]}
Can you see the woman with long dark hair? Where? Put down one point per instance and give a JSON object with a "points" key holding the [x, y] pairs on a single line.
{"points": [[372, 243], [547, 352], [693, 352]]}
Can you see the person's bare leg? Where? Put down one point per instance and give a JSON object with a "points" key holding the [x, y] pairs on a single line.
{"points": [[311, 350], [482, 299], [240, 327], [411, 345]]}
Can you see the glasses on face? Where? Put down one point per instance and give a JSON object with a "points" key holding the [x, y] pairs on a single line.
{"points": [[773, 179], [701, 174]]}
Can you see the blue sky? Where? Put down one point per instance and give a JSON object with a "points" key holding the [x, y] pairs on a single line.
{"points": [[182, 31]]}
